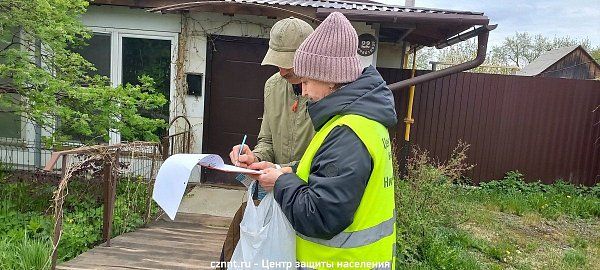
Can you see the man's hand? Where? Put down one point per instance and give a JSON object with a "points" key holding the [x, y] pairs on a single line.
{"points": [[245, 159], [268, 179]]}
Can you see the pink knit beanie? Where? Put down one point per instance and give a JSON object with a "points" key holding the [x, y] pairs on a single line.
{"points": [[329, 53]]}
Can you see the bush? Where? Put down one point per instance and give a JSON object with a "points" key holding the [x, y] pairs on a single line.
{"points": [[430, 206], [423, 203]]}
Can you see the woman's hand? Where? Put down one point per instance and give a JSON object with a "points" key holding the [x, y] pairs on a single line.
{"points": [[263, 165], [268, 179]]}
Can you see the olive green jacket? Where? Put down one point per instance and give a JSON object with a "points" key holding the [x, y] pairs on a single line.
{"points": [[284, 134]]}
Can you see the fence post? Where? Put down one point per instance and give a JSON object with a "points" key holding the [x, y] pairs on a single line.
{"points": [[110, 181], [58, 214], [165, 147], [150, 187], [189, 141]]}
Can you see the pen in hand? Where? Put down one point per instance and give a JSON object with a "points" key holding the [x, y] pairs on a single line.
{"points": [[237, 163]]}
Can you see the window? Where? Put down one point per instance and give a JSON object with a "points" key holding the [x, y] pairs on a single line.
{"points": [[97, 52], [139, 53], [150, 57], [10, 122]]}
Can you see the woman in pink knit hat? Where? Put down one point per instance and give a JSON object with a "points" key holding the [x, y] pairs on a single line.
{"points": [[340, 198]]}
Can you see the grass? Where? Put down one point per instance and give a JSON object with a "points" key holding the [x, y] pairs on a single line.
{"points": [[513, 195], [575, 258], [506, 224], [485, 238], [531, 241], [25, 253]]}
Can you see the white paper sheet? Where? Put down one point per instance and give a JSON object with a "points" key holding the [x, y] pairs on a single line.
{"points": [[174, 174]]}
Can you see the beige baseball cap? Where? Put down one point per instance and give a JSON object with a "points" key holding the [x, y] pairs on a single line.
{"points": [[286, 36]]}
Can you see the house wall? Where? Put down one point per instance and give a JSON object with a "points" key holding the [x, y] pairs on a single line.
{"points": [[200, 26], [131, 18], [576, 65], [389, 55], [123, 21]]}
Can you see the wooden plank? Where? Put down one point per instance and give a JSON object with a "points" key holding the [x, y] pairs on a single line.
{"points": [[188, 243]]}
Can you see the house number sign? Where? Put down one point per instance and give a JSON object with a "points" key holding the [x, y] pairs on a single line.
{"points": [[366, 44]]}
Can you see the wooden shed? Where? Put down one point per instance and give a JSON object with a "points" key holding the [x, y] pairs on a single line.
{"points": [[572, 62]]}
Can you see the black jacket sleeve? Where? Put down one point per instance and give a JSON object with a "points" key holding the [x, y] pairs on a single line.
{"points": [[338, 177]]}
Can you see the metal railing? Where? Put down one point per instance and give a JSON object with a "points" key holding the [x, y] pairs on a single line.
{"points": [[25, 159], [127, 168], [179, 142], [136, 162]]}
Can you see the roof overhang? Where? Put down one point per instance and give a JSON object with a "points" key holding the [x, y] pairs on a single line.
{"points": [[422, 26]]}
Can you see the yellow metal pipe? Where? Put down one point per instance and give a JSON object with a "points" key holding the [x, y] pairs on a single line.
{"points": [[411, 94]]}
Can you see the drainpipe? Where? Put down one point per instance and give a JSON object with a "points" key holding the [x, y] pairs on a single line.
{"points": [[482, 34]]}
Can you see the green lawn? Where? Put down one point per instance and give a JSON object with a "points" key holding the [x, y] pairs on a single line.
{"points": [[505, 224], [496, 227], [499, 237]]}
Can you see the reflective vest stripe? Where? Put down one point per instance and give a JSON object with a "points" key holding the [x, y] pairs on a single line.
{"points": [[357, 238]]}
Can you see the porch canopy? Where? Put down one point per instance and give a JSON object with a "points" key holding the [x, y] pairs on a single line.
{"points": [[422, 26]]}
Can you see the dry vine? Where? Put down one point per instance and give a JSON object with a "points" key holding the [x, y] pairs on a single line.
{"points": [[62, 191], [92, 161]]}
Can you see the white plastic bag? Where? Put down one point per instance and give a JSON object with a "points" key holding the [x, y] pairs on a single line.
{"points": [[267, 239]]}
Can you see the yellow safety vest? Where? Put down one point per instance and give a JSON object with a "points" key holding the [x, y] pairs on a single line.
{"points": [[369, 242]]}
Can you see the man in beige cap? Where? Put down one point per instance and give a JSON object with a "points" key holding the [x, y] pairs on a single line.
{"points": [[286, 128]]}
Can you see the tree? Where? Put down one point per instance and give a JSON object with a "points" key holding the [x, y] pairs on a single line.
{"points": [[596, 54], [44, 81], [466, 51], [459, 53], [522, 48], [516, 51], [424, 56]]}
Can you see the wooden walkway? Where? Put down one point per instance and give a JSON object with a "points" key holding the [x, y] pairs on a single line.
{"points": [[191, 242]]}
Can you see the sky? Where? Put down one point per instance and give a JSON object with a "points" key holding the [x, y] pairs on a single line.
{"points": [[578, 19]]}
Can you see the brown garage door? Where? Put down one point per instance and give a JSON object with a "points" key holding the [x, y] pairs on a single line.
{"points": [[234, 97]]}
